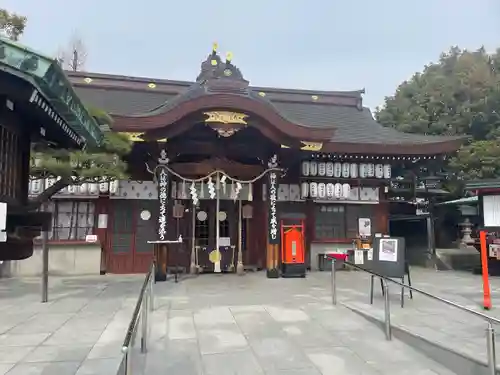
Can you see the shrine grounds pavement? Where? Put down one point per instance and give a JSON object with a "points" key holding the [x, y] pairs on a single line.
{"points": [[228, 324]]}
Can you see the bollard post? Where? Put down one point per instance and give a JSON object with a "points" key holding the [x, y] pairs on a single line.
{"points": [[334, 283], [490, 346], [144, 321], [151, 291], [128, 360], [387, 311]]}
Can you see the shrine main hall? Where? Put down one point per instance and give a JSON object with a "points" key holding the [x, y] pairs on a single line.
{"points": [[249, 177]]}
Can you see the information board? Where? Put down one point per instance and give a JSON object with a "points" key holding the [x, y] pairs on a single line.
{"points": [[387, 257]]}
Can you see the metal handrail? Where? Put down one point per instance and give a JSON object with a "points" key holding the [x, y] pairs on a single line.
{"points": [[490, 331], [142, 308]]}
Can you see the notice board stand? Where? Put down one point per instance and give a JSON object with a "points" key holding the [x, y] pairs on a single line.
{"points": [[388, 258]]}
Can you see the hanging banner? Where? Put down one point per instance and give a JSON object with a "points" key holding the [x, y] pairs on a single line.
{"points": [[162, 179], [272, 213]]}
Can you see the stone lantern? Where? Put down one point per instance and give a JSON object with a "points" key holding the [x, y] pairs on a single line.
{"points": [[467, 211]]}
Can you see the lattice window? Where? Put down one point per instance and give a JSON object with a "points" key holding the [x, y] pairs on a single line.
{"points": [[330, 221], [335, 221], [10, 164], [72, 220], [202, 229]]}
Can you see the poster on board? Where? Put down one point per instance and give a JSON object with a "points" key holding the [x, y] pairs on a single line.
{"points": [[359, 257], [388, 250], [364, 227]]}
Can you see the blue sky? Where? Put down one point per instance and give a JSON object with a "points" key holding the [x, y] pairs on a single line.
{"points": [[313, 44]]}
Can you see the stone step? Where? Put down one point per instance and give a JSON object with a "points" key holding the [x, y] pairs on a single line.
{"points": [[462, 356]]}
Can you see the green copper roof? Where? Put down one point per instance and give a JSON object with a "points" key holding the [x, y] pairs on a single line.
{"points": [[483, 184], [45, 74], [466, 201]]}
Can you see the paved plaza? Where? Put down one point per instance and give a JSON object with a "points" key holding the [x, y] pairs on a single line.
{"points": [[433, 320], [210, 324], [79, 330]]}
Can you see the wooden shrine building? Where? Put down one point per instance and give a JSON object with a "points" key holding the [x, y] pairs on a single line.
{"points": [[238, 166], [37, 105]]}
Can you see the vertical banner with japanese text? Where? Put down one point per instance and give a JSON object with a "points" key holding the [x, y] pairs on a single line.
{"points": [[272, 202], [162, 178]]}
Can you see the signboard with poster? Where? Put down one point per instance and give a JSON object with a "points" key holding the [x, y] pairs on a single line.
{"points": [[388, 259]]}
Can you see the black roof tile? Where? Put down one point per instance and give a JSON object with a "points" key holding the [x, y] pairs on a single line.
{"points": [[352, 124]]}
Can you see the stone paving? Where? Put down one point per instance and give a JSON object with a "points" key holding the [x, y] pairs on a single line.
{"points": [[225, 324], [79, 331], [440, 323], [210, 324]]}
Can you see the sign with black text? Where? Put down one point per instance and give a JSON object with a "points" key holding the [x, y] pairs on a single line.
{"points": [[272, 201], [163, 200]]}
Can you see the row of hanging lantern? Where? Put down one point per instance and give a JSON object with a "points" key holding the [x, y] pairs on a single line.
{"points": [[345, 170], [39, 185], [322, 190]]}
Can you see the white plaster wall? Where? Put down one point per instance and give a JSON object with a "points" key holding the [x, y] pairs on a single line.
{"points": [[64, 260], [322, 248]]}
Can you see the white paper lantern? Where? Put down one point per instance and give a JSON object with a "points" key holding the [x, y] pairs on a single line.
{"points": [[321, 169], [387, 171], [83, 188], [304, 191], [36, 186], [329, 169], [379, 170], [370, 170], [353, 170], [306, 168], [313, 168], [345, 170], [321, 190], [313, 190], [337, 170], [103, 187], [93, 188], [330, 190], [71, 189], [363, 170], [337, 190], [346, 191], [113, 187]]}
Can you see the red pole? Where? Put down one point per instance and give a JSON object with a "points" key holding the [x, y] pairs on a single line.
{"points": [[484, 266]]}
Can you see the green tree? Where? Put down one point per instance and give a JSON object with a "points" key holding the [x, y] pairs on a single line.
{"points": [[12, 25], [458, 95], [75, 167]]}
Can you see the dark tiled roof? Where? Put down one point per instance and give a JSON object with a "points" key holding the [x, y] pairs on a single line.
{"points": [[120, 101], [352, 125]]}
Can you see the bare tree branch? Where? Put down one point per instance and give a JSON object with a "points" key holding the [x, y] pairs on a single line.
{"points": [[74, 55]]}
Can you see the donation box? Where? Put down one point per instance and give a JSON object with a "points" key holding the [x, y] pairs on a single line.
{"points": [[292, 248]]}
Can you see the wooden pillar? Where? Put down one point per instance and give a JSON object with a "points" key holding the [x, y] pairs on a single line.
{"points": [[309, 231], [273, 228], [101, 212]]}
